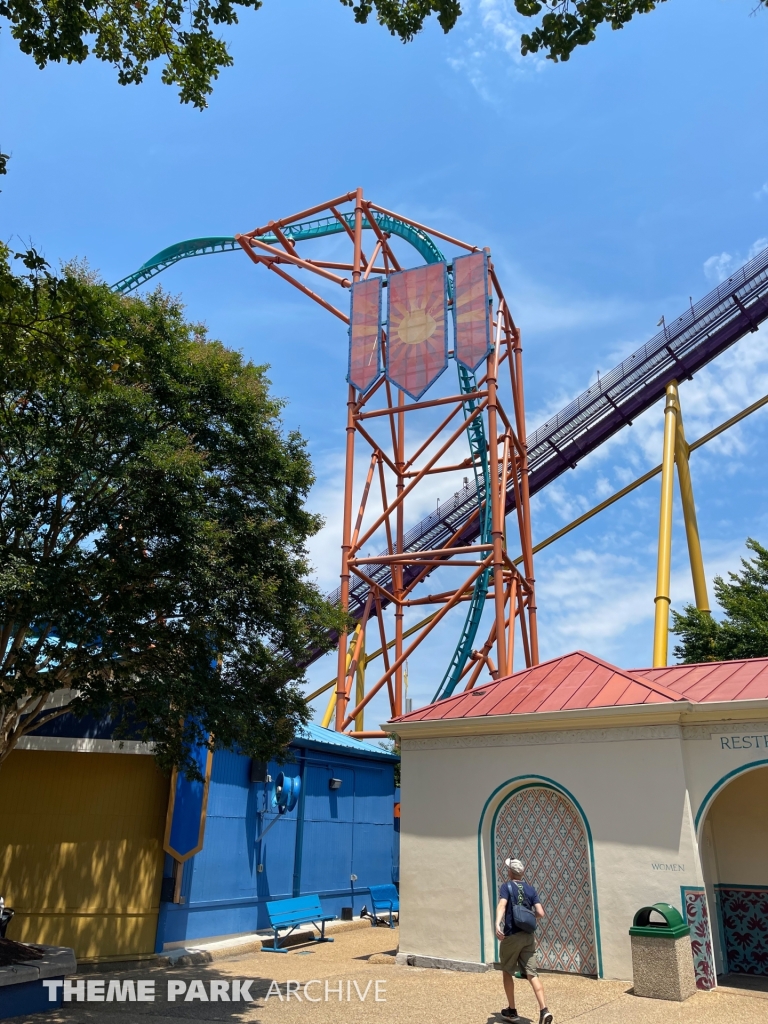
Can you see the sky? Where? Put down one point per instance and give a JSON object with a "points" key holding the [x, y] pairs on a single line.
{"points": [[610, 189]]}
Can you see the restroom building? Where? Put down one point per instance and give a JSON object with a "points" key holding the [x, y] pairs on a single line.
{"points": [[617, 789]]}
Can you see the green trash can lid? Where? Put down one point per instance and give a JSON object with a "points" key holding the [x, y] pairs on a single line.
{"points": [[672, 927]]}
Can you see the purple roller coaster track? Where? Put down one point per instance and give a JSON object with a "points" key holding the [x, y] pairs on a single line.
{"points": [[733, 309]]}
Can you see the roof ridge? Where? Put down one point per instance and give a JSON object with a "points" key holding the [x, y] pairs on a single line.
{"points": [[665, 691], [698, 664], [659, 688]]}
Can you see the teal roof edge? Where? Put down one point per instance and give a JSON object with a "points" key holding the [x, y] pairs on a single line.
{"points": [[313, 735]]}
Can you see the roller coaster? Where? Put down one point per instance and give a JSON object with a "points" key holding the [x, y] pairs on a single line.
{"points": [[508, 465]]}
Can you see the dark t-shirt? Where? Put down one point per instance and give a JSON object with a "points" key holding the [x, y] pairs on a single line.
{"points": [[510, 891]]}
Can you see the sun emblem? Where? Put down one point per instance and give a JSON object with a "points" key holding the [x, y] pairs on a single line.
{"points": [[416, 327], [417, 349]]}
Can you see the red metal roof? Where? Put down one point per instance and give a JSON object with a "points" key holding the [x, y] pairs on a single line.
{"points": [[577, 680], [712, 680]]}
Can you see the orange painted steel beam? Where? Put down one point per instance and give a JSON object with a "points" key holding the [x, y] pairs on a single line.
{"points": [[285, 221], [400, 571], [421, 227], [298, 262], [287, 277], [381, 237], [413, 406], [412, 647], [407, 489], [411, 556]]}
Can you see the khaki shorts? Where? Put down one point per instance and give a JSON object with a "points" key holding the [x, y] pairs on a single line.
{"points": [[518, 949]]}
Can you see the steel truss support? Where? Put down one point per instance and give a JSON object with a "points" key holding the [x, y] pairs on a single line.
{"points": [[676, 452], [388, 430]]}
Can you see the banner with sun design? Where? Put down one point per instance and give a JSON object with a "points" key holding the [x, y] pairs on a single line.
{"points": [[365, 334], [471, 310], [417, 331]]}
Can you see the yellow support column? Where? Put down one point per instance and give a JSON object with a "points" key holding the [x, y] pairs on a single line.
{"points": [[332, 702], [329, 710], [689, 512], [360, 686], [664, 563]]}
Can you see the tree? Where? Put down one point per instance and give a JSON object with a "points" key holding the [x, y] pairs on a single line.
{"points": [[129, 34], [152, 525], [566, 24], [743, 633]]}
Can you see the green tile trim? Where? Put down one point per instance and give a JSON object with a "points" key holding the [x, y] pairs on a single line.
{"points": [[534, 782]]}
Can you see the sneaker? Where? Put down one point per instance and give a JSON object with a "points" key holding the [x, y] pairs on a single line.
{"points": [[545, 1017], [510, 1014]]}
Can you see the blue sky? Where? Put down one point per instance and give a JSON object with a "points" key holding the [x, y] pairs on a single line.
{"points": [[610, 189]]}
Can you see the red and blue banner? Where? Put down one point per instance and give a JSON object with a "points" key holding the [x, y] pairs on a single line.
{"points": [[417, 328], [471, 310], [365, 334]]}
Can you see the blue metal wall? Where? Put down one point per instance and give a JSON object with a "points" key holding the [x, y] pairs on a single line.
{"points": [[328, 837]]}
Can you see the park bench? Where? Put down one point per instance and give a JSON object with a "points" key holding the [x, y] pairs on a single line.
{"points": [[384, 900], [292, 913]]}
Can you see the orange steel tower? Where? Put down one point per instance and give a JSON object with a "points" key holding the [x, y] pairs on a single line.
{"points": [[405, 328]]}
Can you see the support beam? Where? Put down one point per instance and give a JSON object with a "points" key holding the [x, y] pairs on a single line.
{"points": [[664, 561], [644, 478], [689, 513]]}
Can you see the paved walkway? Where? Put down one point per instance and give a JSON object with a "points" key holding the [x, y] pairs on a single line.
{"points": [[358, 959]]}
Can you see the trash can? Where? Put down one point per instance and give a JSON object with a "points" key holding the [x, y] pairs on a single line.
{"points": [[662, 960]]}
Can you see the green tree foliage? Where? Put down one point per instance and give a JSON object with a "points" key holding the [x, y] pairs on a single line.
{"points": [[743, 632], [566, 24], [152, 524], [130, 34]]}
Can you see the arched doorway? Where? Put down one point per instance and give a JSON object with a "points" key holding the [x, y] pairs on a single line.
{"points": [[542, 828], [734, 844]]}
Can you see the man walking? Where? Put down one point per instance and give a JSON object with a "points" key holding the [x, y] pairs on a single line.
{"points": [[518, 947]]}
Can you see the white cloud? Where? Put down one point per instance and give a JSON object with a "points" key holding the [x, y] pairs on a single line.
{"points": [[718, 268], [490, 46], [762, 192], [602, 601]]}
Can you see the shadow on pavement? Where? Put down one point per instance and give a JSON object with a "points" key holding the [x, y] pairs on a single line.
{"points": [[199, 992]]}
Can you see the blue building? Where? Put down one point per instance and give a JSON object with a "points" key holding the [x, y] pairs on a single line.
{"points": [[337, 839], [89, 820]]}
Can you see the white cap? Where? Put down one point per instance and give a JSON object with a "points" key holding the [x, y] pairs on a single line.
{"points": [[514, 865]]}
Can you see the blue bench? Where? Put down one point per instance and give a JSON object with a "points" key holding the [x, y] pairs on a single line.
{"points": [[292, 913], [384, 900]]}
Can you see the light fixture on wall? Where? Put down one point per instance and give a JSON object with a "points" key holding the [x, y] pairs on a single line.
{"points": [[334, 784]]}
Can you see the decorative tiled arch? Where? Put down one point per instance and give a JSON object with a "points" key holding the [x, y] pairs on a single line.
{"points": [[487, 822], [543, 828]]}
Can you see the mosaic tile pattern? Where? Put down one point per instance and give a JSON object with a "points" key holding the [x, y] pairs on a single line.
{"points": [[744, 922], [542, 829], [697, 916]]}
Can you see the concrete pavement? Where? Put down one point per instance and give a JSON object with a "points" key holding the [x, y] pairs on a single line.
{"points": [[336, 983]]}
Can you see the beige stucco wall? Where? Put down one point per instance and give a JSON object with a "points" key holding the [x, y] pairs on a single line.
{"points": [[739, 822], [638, 787]]}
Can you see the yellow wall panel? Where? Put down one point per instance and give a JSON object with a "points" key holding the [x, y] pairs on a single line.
{"points": [[81, 856]]}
